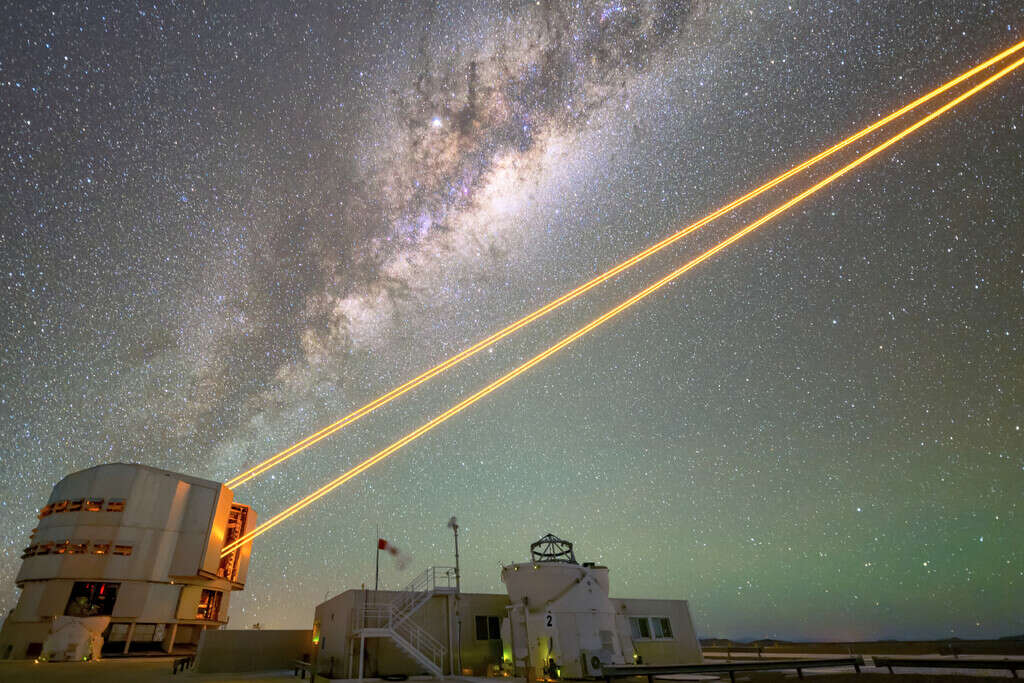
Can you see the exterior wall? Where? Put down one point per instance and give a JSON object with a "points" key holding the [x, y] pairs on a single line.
{"points": [[682, 648], [334, 622], [332, 628], [481, 656], [155, 535], [239, 651]]}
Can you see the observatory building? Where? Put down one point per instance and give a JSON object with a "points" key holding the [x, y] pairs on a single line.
{"points": [[557, 621], [133, 553]]}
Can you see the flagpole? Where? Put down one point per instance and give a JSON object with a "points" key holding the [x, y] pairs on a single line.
{"points": [[376, 578]]}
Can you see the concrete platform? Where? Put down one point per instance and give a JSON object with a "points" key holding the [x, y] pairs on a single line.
{"points": [[142, 670]]}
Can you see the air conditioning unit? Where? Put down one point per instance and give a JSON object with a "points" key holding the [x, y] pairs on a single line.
{"points": [[593, 662]]}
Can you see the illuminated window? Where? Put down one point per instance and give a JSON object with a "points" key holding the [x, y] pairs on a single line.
{"points": [[209, 605], [122, 550], [61, 548], [100, 548], [60, 506], [91, 599], [75, 505], [93, 504], [488, 628], [115, 505], [77, 548], [44, 548], [46, 511]]}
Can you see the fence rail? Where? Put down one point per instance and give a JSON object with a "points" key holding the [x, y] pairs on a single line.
{"points": [[650, 671], [1013, 665]]}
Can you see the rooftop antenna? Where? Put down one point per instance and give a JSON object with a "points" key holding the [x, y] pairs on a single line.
{"points": [[453, 524]]}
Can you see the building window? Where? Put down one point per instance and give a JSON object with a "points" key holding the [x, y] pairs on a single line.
{"points": [[93, 504], [639, 628], [650, 628], [60, 506], [77, 548], [61, 548], [488, 628], [100, 548], [46, 511], [661, 627], [28, 552], [91, 599], [115, 505], [75, 505], [122, 550], [44, 548], [209, 605]]}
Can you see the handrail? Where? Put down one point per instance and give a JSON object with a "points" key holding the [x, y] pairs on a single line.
{"points": [[610, 671], [381, 615], [393, 617], [419, 590], [1014, 665], [406, 634], [417, 634]]}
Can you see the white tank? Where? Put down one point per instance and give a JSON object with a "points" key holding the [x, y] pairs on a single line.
{"points": [[562, 611]]}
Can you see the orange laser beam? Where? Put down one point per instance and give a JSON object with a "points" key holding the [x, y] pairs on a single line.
{"points": [[508, 377], [587, 286]]}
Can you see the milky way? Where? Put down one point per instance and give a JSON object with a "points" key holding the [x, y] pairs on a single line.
{"points": [[228, 227]]}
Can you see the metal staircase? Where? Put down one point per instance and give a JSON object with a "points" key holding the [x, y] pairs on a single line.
{"points": [[392, 619]]}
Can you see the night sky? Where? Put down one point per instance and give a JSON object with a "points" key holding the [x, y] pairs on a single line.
{"points": [[224, 226]]}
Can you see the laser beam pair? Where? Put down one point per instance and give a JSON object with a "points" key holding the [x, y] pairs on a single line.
{"points": [[636, 298]]}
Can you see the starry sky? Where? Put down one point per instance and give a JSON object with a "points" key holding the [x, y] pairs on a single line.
{"points": [[224, 226]]}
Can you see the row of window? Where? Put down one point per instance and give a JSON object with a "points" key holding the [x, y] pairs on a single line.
{"points": [[82, 504], [650, 628], [642, 628], [75, 548]]}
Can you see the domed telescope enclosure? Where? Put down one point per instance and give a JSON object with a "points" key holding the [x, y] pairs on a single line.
{"points": [[551, 548], [562, 623], [132, 554]]}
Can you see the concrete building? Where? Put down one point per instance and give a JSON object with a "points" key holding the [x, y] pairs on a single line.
{"points": [[557, 620], [138, 545]]}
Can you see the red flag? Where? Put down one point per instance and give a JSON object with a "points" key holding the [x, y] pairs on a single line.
{"points": [[400, 558]]}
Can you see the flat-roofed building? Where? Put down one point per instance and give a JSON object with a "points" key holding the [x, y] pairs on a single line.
{"points": [[137, 544], [557, 621]]}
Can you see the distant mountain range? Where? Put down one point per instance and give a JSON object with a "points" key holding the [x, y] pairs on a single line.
{"points": [[771, 642]]}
